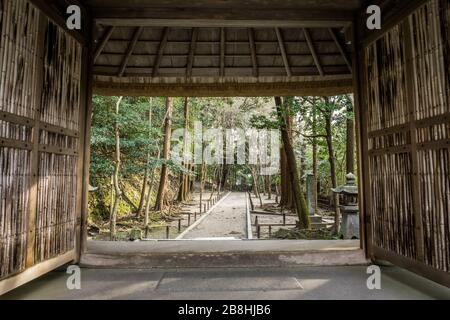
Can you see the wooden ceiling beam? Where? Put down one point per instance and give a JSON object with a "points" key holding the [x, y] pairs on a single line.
{"points": [[104, 39], [341, 48], [162, 46], [251, 41], [313, 51], [191, 56], [218, 23], [136, 35], [283, 52]]}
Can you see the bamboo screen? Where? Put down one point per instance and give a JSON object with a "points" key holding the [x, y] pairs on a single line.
{"points": [[408, 116], [39, 121]]}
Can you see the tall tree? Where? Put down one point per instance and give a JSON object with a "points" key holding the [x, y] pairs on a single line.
{"points": [[327, 112], [314, 155], [350, 151], [287, 197], [117, 190], [299, 199], [184, 178], [161, 199], [142, 201]]}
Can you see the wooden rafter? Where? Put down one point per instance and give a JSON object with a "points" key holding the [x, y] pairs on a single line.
{"points": [[222, 52], [283, 52], [251, 41], [341, 49], [104, 39], [162, 46], [313, 51], [191, 56], [136, 35]]}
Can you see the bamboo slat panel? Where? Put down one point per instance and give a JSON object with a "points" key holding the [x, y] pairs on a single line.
{"points": [[14, 196], [421, 174], [14, 131], [45, 110], [60, 102], [57, 189], [434, 173], [429, 64], [386, 76], [58, 140], [391, 212], [432, 88], [19, 23]]}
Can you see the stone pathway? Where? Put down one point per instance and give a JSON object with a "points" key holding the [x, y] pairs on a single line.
{"points": [[226, 221]]}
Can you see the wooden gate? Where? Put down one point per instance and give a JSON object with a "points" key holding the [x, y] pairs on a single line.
{"points": [[405, 140], [40, 144]]}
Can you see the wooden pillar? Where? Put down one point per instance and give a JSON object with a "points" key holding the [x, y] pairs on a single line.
{"points": [[360, 111], [84, 143]]}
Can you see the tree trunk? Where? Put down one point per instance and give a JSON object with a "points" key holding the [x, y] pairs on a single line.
{"points": [[350, 151], [269, 187], [299, 199], [331, 158], [225, 172], [183, 176], [147, 201], [143, 202], [117, 191], [286, 196], [255, 185], [140, 208], [314, 156], [202, 185], [161, 199]]}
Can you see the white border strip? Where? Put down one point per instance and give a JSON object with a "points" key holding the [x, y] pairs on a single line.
{"points": [[196, 223], [249, 218]]}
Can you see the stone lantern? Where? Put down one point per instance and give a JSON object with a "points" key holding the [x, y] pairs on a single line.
{"points": [[349, 207]]}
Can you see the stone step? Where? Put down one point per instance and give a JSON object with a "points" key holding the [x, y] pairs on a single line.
{"points": [[222, 253]]}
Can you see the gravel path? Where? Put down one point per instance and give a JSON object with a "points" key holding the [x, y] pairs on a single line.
{"points": [[227, 220]]}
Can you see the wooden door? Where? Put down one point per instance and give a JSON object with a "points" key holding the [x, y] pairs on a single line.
{"points": [[405, 141], [41, 119]]}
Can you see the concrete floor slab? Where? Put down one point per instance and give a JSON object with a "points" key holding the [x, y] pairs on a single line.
{"points": [[231, 284]]}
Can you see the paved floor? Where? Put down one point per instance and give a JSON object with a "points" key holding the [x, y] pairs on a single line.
{"points": [[231, 284], [226, 220]]}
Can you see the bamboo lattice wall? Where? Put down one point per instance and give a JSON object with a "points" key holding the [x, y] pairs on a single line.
{"points": [[408, 114], [39, 122]]}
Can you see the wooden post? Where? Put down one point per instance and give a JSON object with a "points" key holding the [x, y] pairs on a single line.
{"points": [[85, 138], [360, 110], [179, 225], [167, 232]]}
